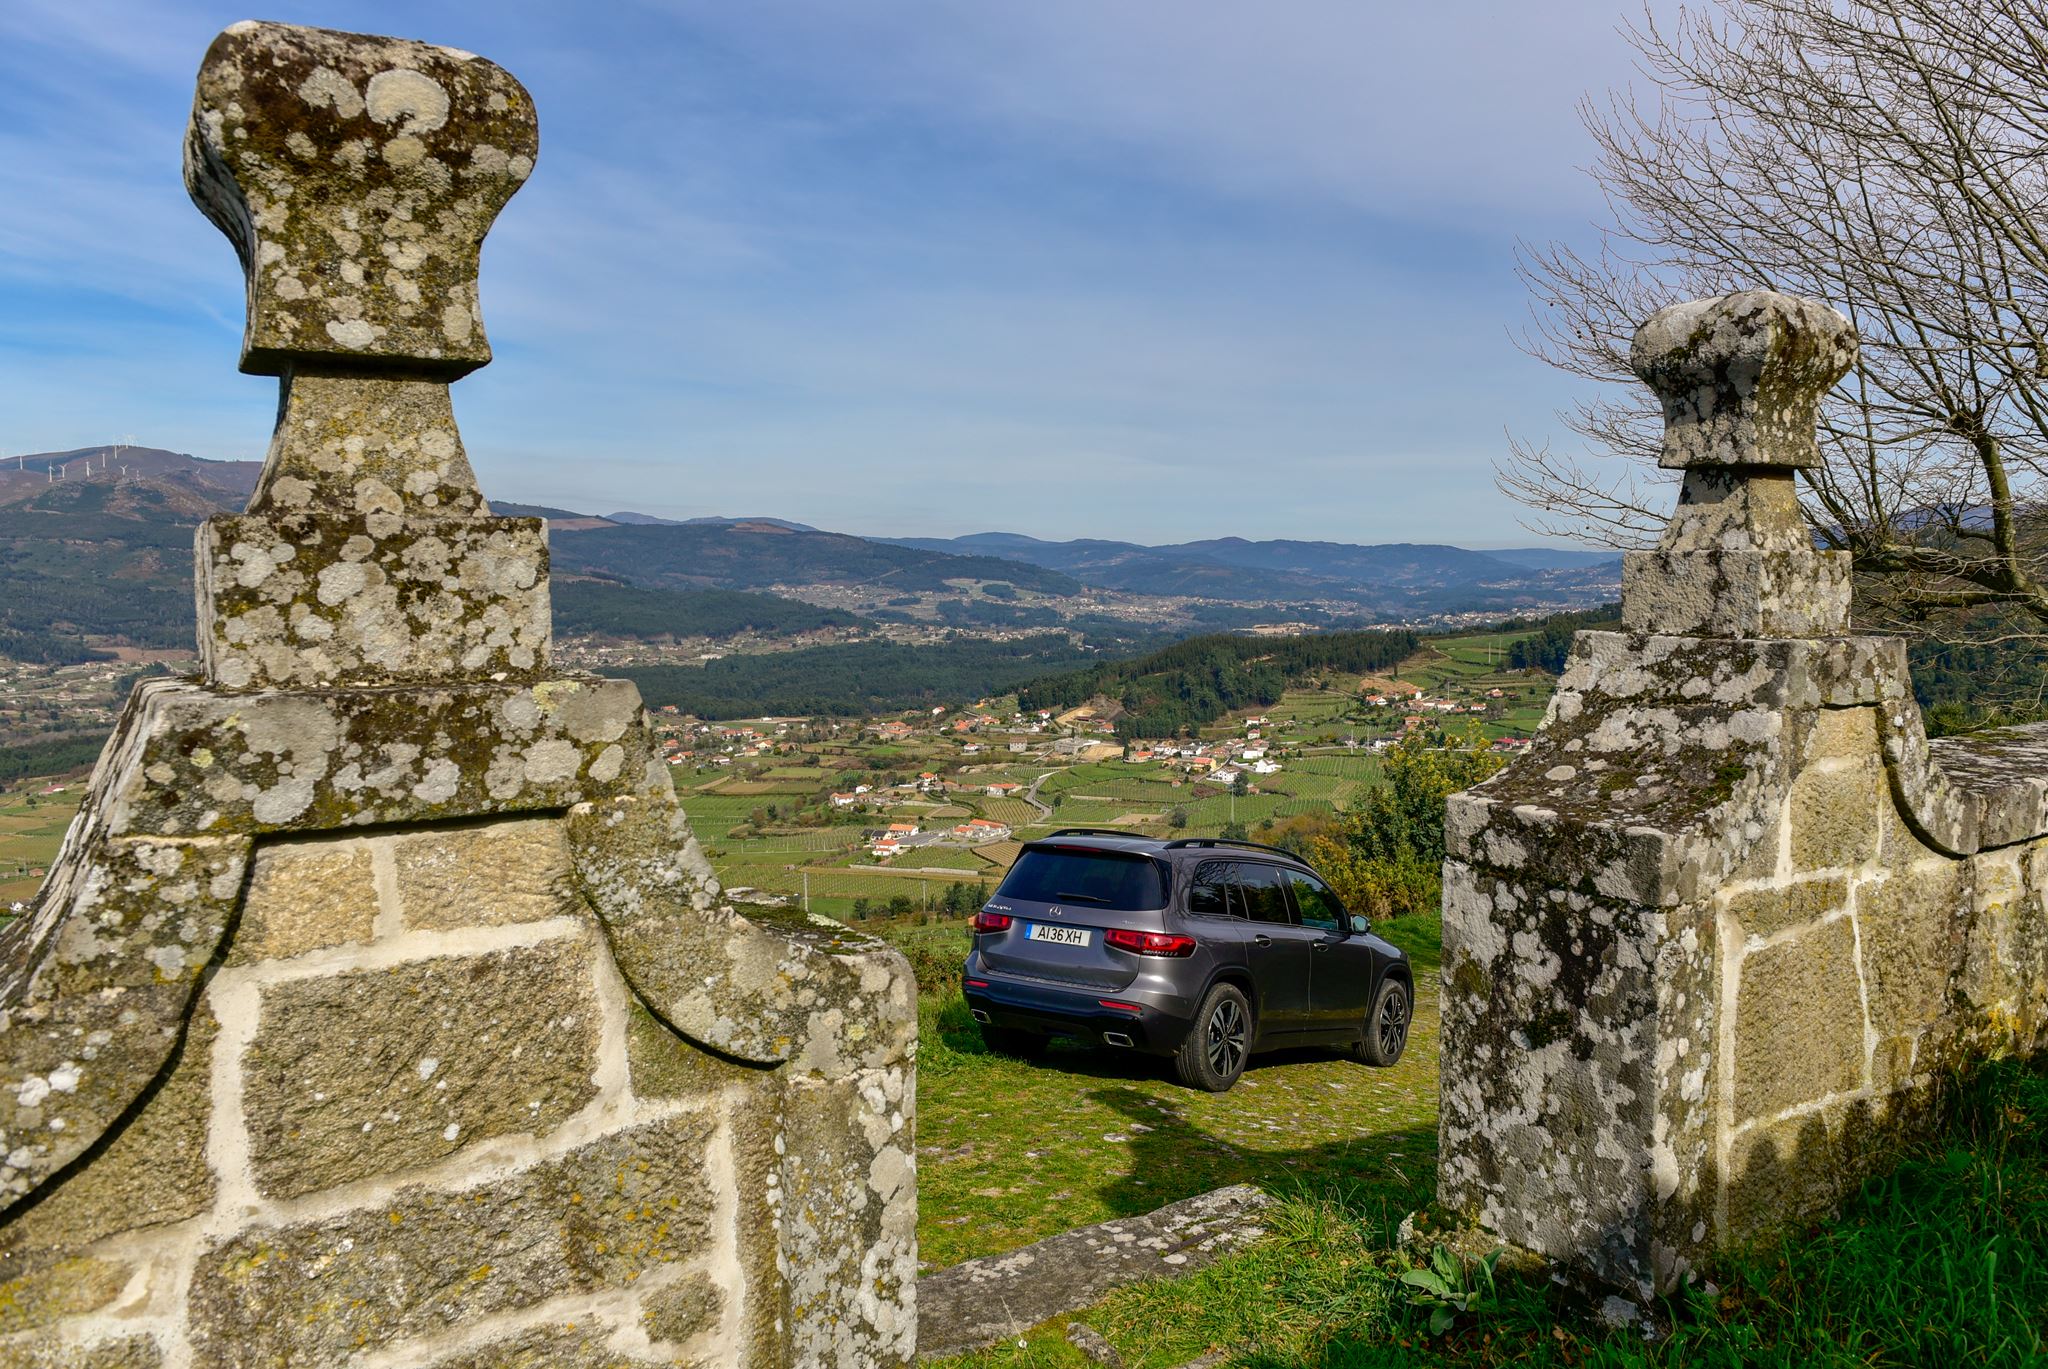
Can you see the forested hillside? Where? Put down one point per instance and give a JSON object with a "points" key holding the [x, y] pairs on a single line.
{"points": [[1197, 681], [97, 560], [588, 606], [756, 555], [854, 680]]}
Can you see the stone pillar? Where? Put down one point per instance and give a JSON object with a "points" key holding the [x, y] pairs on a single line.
{"points": [[381, 1007], [1712, 941]]}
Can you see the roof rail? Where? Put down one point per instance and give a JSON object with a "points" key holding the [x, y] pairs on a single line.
{"points": [[1097, 832], [1233, 842]]}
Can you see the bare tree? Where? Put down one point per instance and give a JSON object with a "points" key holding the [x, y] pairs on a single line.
{"points": [[1891, 158]]}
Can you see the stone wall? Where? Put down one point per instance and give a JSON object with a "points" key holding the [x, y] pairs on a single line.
{"points": [[1714, 944], [381, 1008]]}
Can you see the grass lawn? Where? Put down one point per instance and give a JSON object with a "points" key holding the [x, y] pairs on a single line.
{"points": [[1942, 1262], [1012, 1151]]}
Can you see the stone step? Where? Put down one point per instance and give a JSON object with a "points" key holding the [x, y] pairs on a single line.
{"points": [[978, 1302]]}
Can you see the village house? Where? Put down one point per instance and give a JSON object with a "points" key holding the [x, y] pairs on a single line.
{"points": [[1002, 789], [982, 829]]}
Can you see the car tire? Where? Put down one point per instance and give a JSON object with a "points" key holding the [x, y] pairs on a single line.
{"points": [[1386, 1026], [1213, 1054], [1021, 1045]]}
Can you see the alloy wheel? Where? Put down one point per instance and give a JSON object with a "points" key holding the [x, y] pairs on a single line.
{"points": [[1393, 1024], [1226, 1038]]}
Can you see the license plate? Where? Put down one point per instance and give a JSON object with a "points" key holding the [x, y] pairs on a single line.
{"points": [[1058, 936]]}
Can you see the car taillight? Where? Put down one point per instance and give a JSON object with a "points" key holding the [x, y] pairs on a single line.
{"points": [[990, 922], [1150, 943]]}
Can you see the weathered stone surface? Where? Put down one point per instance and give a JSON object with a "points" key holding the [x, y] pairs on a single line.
{"points": [[664, 1066], [600, 1217], [566, 1346], [153, 1170], [303, 896], [1834, 816], [371, 447], [1735, 593], [808, 990], [468, 1140], [1550, 1008], [304, 599], [1738, 804], [36, 1351], [1742, 376], [979, 1302], [1780, 1172], [47, 1291], [356, 178], [1912, 923], [682, 1310], [196, 761], [502, 872], [1798, 1022], [380, 1071], [98, 979], [1843, 734], [849, 1218], [1766, 912]]}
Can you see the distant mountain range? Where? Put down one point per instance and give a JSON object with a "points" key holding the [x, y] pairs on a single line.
{"points": [[95, 547], [1232, 567]]}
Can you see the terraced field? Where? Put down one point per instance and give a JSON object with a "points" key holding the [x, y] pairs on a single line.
{"points": [[32, 826]]}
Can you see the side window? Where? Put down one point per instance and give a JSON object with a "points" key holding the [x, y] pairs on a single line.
{"points": [[1265, 898], [1209, 890], [1316, 904]]}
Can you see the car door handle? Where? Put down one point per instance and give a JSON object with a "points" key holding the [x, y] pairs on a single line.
{"points": [[1262, 940], [1322, 945]]}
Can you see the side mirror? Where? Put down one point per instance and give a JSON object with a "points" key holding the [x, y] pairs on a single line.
{"points": [[1359, 923]]}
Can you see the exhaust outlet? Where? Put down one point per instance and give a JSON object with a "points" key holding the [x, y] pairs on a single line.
{"points": [[977, 1014], [1116, 1038]]}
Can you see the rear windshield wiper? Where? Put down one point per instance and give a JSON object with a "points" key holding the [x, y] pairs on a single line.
{"points": [[1081, 898]]}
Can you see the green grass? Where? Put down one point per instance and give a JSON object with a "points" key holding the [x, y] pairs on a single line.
{"points": [[1012, 1151], [1943, 1261]]}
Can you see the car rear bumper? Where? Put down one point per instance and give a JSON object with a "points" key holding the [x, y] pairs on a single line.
{"points": [[1143, 1024]]}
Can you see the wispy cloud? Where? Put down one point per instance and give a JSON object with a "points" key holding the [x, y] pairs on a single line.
{"points": [[1128, 268]]}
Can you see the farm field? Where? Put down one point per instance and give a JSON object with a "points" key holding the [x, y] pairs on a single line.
{"points": [[32, 826]]}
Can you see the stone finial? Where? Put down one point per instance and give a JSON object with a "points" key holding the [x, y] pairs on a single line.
{"points": [[356, 177], [1741, 378]]}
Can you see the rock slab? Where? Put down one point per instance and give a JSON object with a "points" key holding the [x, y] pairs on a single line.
{"points": [[979, 1302]]}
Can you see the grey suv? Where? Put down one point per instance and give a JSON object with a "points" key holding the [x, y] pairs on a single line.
{"points": [[1200, 949]]}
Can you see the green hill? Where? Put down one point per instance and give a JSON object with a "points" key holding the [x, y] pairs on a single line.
{"points": [[1197, 681], [759, 554]]}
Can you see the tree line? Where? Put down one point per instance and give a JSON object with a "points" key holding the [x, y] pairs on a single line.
{"points": [[1193, 683]]}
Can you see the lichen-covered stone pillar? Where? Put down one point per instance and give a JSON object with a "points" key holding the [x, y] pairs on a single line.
{"points": [[381, 1008], [1710, 944]]}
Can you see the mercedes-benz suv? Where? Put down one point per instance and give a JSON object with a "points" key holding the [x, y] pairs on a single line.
{"points": [[1201, 950]]}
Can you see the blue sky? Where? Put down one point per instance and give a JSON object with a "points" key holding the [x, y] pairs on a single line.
{"points": [[1146, 269]]}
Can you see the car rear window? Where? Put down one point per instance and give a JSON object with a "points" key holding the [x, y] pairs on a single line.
{"points": [[1087, 879]]}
